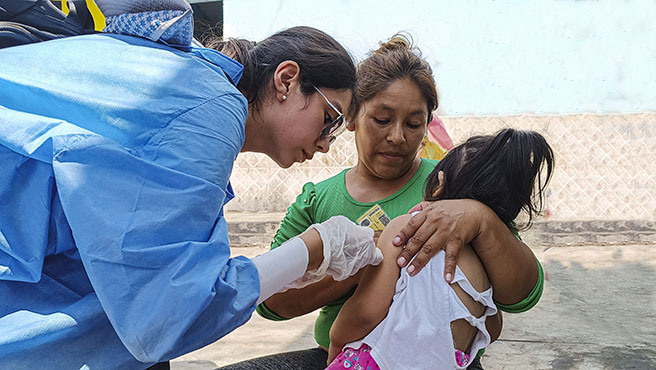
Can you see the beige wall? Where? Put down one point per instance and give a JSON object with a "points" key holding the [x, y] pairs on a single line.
{"points": [[605, 165]]}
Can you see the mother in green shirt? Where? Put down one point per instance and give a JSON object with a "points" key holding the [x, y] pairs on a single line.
{"points": [[394, 96]]}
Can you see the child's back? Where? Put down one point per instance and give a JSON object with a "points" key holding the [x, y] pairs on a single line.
{"points": [[428, 319], [445, 318]]}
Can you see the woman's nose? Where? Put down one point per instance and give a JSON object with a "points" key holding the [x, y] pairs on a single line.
{"points": [[323, 144], [395, 134]]}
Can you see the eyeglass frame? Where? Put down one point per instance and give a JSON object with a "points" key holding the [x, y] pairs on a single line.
{"points": [[339, 127]]}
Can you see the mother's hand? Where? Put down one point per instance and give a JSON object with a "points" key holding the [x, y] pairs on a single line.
{"points": [[445, 224]]}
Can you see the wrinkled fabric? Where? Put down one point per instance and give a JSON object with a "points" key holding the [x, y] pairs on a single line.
{"points": [[168, 21], [173, 27], [432, 304], [113, 173]]}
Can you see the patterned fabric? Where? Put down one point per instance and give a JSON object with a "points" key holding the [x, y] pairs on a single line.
{"points": [[361, 359], [462, 359], [148, 24], [116, 7], [354, 359]]}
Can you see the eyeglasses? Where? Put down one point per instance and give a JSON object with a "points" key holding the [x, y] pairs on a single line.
{"points": [[336, 127]]}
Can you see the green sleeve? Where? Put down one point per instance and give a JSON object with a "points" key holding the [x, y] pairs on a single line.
{"points": [[530, 301], [266, 313], [299, 217]]}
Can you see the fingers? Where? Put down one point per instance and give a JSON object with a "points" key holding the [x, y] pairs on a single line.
{"points": [[401, 239], [378, 257], [421, 259], [423, 245], [419, 207], [408, 230], [451, 258], [426, 251]]}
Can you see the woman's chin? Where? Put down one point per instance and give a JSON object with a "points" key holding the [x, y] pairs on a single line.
{"points": [[392, 171], [284, 162]]}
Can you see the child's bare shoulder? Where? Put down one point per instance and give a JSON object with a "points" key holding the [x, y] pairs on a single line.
{"points": [[391, 230]]}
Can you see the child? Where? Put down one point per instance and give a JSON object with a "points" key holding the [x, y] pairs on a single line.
{"points": [[450, 322]]}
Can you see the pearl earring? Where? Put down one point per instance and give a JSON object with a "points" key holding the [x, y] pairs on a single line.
{"points": [[284, 97]]}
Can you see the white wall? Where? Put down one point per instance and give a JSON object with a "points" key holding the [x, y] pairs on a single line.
{"points": [[494, 57]]}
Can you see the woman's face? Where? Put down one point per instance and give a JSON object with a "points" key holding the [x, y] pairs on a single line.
{"points": [[300, 122], [389, 129]]}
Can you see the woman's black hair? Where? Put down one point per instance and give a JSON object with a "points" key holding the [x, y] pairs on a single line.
{"points": [[503, 171], [322, 60]]}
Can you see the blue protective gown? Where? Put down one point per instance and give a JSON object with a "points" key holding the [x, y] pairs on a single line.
{"points": [[115, 157]]}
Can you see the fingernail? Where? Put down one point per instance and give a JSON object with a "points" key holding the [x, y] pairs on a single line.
{"points": [[448, 277], [396, 240], [401, 261], [411, 268]]}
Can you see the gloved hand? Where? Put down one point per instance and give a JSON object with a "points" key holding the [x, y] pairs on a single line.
{"points": [[347, 248]]}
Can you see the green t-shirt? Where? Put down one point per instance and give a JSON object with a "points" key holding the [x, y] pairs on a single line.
{"points": [[319, 202]]}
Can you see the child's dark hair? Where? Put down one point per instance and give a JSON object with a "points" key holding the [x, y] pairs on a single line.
{"points": [[503, 171]]}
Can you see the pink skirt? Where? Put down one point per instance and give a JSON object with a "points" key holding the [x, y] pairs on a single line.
{"points": [[354, 359]]}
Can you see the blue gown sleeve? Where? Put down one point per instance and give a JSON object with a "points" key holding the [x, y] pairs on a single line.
{"points": [[150, 231]]}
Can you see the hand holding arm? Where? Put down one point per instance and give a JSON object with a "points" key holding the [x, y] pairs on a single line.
{"points": [[450, 224]]}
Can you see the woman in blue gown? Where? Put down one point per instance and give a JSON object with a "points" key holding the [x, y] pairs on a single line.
{"points": [[115, 158]]}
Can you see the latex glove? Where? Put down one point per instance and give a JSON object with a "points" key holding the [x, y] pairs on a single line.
{"points": [[347, 247]]}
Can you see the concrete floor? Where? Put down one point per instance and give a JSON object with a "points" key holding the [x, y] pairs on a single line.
{"points": [[598, 311]]}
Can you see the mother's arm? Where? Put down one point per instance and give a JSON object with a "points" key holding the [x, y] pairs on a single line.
{"points": [[450, 224]]}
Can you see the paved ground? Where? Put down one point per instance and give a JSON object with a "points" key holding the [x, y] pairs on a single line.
{"points": [[598, 311]]}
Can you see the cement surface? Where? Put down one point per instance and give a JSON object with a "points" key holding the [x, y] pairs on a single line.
{"points": [[258, 228], [598, 311]]}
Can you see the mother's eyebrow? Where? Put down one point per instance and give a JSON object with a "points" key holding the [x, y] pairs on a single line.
{"points": [[388, 108]]}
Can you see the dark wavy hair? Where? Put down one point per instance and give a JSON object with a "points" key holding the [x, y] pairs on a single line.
{"points": [[322, 60], [508, 171]]}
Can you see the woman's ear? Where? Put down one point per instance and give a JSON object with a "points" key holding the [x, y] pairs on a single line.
{"points": [[351, 119], [286, 78]]}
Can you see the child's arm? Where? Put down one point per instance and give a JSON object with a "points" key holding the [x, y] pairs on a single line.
{"points": [[369, 304]]}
